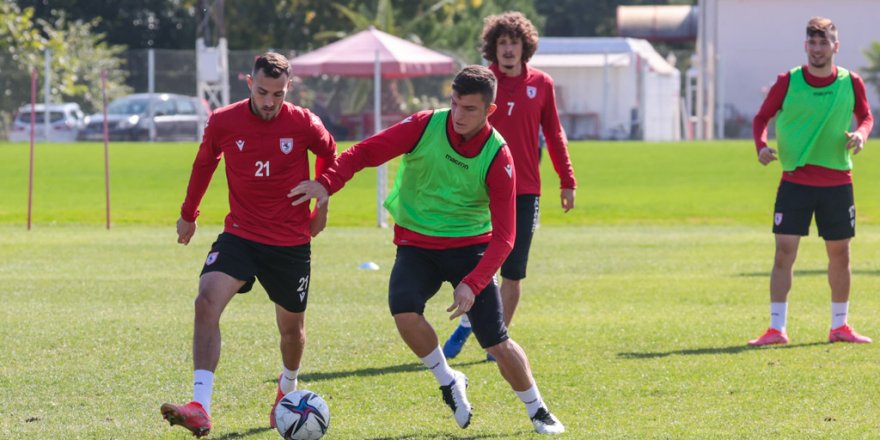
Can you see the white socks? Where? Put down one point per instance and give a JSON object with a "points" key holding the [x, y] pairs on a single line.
{"points": [[778, 313], [838, 314], [288, 380], [532, 398], [436, 362], [203, 387], [465, 321]]}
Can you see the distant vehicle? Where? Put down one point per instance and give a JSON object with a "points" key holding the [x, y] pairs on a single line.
{"points": [[65, 121], [176, 118]]}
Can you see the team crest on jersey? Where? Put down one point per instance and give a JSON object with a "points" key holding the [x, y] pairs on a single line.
{"points": [[777, 219], [240, 144], [212, 257], [531, 92], [286, 145]]}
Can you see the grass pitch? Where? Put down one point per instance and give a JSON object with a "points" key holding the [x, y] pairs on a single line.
{"points": [[634, 316]]}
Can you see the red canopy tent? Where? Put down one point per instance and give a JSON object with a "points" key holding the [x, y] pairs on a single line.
{"points": [[372, 52], [358, 55]]}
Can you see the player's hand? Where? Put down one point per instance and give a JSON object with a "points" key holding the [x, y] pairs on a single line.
{"points": [[766, 155], [185, 231], [319, 219], [567, 197], [856, 142], [463, 300], [309, 189]]}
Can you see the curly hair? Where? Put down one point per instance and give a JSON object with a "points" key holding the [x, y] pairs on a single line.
{"points": [[511, 24]]}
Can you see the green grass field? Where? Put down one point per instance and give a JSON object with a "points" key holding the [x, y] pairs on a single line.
{"points": [[635, 313]]}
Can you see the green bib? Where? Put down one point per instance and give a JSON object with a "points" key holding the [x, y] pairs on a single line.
{"points": [[810, 127], [439, 192]]}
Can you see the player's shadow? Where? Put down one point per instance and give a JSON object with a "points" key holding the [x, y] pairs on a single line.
{"points": [[362, 372], [248, 433], [733, 349], [434, 436], [365, 372], [810, 273]]}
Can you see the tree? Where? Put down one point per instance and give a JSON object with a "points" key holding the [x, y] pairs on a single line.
{"points": [[78, 55], [136, 24]]}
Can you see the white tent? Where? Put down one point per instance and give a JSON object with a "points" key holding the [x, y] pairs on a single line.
{"points": [[612, 88]]}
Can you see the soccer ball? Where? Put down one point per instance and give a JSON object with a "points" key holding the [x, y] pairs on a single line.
{"points": [[302, 415]]}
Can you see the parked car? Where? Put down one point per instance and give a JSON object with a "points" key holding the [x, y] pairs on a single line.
{"points": [[176, 118], [65, 121]]}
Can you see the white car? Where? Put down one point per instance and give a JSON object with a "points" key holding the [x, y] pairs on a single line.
{"points": [[65, 122]]}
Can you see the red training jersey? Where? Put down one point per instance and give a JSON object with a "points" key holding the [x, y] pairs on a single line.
{"points": [[401, 138], [812, 175], [264, 160], [527, 103]]}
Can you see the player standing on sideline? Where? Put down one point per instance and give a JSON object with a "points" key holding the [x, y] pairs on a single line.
{"points": [[265, 142], [453, 207], [814, 105], [526, 105]]}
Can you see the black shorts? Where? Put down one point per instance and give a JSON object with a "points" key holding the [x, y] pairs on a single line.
{"points": [[527, 212], [283, 271], [419, 273], [833, 205]]}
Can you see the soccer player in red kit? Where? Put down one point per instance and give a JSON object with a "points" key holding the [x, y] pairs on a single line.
{"points": [[453, 207], [526, 105], [814, 105], [265, 143]]}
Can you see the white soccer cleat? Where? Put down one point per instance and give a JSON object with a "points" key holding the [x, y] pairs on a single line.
{"points": [[546, 423], [455, 396]]}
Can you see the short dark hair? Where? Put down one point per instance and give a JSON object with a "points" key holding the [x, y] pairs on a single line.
{"points": [[822, 27], [476, 79], [272, 64], [511, 24]]}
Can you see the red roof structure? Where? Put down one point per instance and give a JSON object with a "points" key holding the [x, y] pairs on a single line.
{"points": [[356, 56]]}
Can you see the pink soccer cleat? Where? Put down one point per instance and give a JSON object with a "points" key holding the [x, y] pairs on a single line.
{"points": [[275, 405], [770, 337], [845, 333], [191, 416]]}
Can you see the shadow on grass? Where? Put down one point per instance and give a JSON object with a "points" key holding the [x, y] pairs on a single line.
{"points": [[809, 273], [365, 372], [248, 433], [515, 434], [733, 349]]}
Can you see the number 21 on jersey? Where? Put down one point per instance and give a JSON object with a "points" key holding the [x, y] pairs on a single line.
{"points": [[262, 168]]}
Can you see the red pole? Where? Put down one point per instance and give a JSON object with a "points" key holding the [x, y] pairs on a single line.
{"points": [[33, 125], [106, 146]]}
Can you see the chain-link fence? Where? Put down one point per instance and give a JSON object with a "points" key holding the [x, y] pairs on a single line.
{"points": [[344, 104]]}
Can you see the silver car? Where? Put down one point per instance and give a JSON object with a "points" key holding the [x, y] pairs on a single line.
{"points": [[65, 122], [176, 118]]}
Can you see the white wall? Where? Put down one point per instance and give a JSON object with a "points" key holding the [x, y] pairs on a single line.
{"points": [[579, 91], [759, 39], [662, 101]]}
